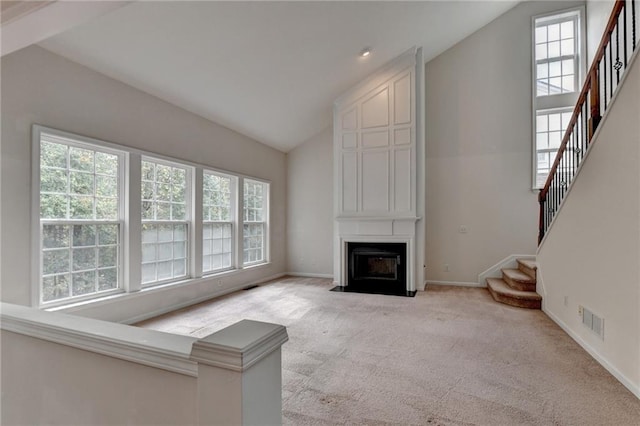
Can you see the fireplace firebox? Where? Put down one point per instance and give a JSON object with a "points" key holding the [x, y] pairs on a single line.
{"points": [[377, 267]]}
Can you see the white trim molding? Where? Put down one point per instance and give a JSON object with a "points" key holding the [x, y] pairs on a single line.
{"points": [[308, 275], [166, 351], [240, 345], [453, 283]]}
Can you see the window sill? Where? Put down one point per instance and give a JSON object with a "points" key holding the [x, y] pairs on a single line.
{"points": [[121, 296]]}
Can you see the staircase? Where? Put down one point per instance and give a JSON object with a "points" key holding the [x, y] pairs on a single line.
{"points": [[517, 287]]}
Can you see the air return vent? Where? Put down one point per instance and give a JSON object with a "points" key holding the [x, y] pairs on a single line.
{"points": [[592, 321]]}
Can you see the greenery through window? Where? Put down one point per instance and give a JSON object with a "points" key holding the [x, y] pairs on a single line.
{"points": [[79, 219], [86, 247]]}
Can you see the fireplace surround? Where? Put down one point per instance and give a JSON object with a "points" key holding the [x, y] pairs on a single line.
{"points": [[379, 180]]}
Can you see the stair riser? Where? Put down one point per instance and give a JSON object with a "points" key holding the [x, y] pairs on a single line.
{"points": [[518, 303], [518, 285]]}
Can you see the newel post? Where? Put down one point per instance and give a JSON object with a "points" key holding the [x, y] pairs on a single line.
{"points": [[240, 374], [594, 101]]}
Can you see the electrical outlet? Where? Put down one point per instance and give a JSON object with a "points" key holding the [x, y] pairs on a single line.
{"points": [[566, 301], [580, 311], [446, 267], [463, 229], [219, 283]]}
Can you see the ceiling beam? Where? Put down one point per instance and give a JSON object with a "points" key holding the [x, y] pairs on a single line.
{"points": [[26, 23]]}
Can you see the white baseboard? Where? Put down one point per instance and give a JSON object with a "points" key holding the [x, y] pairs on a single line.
{"points": [[213, 295], [454, 283], [634, 388], [309, 275]]}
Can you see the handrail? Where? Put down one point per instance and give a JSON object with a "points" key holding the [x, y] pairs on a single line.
{"points": [[592, 102]]}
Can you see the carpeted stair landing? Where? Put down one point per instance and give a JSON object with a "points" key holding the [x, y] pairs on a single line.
{"points": [[517, 287]]}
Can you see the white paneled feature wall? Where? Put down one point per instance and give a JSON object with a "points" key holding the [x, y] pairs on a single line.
{"points": [[378, 158]]}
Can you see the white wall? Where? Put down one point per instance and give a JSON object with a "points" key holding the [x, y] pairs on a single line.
{"points": [[598, 13], [592, 250], [310, 206], [66, 385], [479, 148], [40, 87]]}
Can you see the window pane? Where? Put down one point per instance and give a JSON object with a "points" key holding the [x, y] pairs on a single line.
{"points": [[567, 83], [55, 261], [148, 273], [555, 139], [107, 256], [555, 85], [148, 252], [53, 155], [107, 279], [83, 283], [106, 164], [554, 32], [55, 287], [55, 236], [566, 30], [554, 49], [554, 122], [567, 47], [54, 180], [106, 208], [542, 141], [163, 245], [163, 191], [541, 34], [84, 235], [164, 270], [542, 70], [541, 51], [81, 159]]}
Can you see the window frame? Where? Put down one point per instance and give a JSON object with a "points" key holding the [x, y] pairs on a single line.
{"points": [[265, 224], [233, 213], [556, 101], [38, 223], [187, 221], [130, 215]]}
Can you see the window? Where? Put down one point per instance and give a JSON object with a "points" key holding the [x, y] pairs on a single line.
{"points": [[164, 221], [556, 55], [80, 219], [93, 236], [217, 222], [558, 62], [254, 221], [550, 128]]}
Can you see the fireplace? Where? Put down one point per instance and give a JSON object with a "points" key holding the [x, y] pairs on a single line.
{"points": [[377, 267]]}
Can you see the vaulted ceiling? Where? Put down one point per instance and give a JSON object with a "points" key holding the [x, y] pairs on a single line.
{"points": [[269, 70]]}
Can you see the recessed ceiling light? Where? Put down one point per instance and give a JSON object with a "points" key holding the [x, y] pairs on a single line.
{"points": [[365, 52]]}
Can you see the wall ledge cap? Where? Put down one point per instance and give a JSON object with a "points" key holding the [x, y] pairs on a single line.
{"points": [[147, 347], [239, 346]]}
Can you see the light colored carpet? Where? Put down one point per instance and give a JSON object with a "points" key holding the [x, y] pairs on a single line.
{"points": [[449, 356]]}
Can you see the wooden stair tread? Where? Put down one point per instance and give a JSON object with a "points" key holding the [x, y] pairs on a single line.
{"points": [[531, 264], [501, 287], [518, 275]]}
